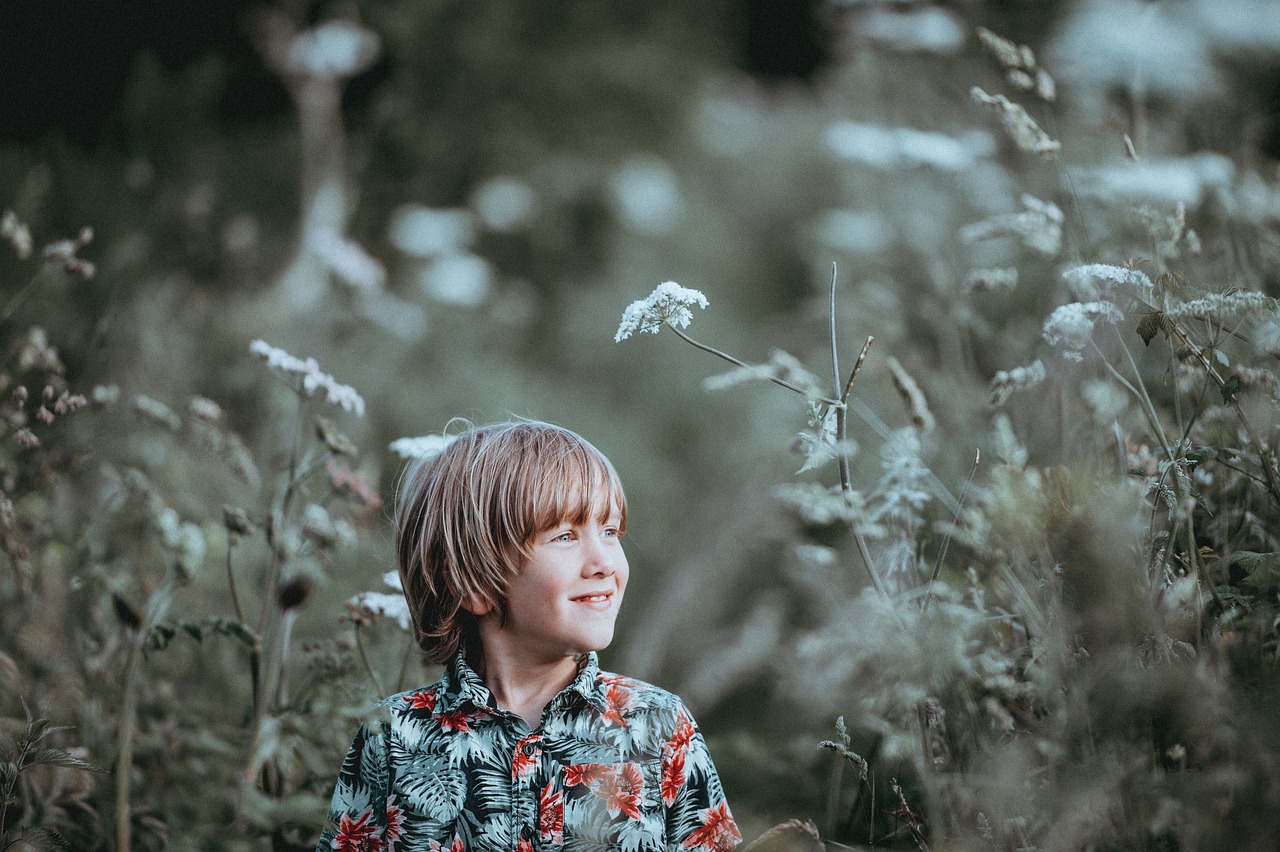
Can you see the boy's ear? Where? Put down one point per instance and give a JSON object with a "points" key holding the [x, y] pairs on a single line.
{"points": [[477, 606]]}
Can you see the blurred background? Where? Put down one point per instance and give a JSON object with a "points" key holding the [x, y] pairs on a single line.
{"points": [[448, 204]]}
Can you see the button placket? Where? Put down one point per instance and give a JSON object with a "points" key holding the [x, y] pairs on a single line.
{"points": [[526, 763]]}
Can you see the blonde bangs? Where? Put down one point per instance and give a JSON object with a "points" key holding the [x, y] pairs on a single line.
{"points": [[573, 486]]}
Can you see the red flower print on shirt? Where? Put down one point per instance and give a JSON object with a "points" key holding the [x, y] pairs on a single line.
{"points": [[590, 774], [673, 776], [395, 823], [524, 844], [623, 790], [456, 721], [551, 815], [358, 835], [456, 847], [424, 699], [718, 832], [616, 701], [683, 736]]}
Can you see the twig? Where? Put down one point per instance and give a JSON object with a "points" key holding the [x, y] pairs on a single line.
{"points": [[835, 356], [857, 367], [946, 542], [364, 658], [732, 360], [231, 577]]}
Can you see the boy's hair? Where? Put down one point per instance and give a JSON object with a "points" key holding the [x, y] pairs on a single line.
{"points": [[467, 516]]}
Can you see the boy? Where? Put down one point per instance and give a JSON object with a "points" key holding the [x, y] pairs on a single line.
{"points": [[508, 545]]}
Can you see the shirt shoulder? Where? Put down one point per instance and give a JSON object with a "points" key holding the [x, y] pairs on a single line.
{"points": [[629, 698]]}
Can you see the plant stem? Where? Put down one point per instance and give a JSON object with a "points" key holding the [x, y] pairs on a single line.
{"points": [[842, 411], [732, 360], [946, 542], [835, 355], [364, 658], [231, 578], [404, 663], [124, 742], [157, 605]]}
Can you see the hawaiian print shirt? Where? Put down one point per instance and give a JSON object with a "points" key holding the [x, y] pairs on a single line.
{"points": [[615, 764]]}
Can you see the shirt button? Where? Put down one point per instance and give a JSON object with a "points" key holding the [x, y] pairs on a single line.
{"points": [[527, 832], [529, 749]]}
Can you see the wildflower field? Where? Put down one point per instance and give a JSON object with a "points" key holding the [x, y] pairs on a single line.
{"points": [[937, 346]]}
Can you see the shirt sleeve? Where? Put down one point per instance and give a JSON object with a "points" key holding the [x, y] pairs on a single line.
{"points": [[358, 813], [698, 816]]}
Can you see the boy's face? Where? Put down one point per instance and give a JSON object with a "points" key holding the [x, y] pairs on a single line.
{"points": [[565, 598]]}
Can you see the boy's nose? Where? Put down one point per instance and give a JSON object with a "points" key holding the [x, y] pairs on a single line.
{"points": [[600, 560]]}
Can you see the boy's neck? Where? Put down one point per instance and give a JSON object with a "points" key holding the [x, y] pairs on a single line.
{"points": [[524, 686]]}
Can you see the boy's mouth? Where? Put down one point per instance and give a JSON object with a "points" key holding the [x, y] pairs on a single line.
{"points": [[594, 598]]}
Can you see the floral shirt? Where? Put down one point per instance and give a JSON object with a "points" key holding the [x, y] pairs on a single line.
{"points": [[616, 764]]}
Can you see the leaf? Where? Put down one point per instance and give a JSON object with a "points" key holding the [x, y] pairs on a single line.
{"points": [[44, 838], [327, 431], [237, 630], [160, 636], [1230, 388], [58, 757], [1262, 570], [125, 612], [1151, 325]]}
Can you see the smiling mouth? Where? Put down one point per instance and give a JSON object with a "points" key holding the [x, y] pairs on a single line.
{"points": [[600, 597]]}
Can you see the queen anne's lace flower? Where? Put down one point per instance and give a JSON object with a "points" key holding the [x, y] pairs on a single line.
{"points": [[420, 447], [313, 380], [1092, 280], [1071, 326], [668, 304]]}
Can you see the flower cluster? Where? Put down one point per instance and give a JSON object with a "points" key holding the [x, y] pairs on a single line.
{"points": [[367, 607], [1071, 326], [1008, 382], [669, 304], [1020, 126], [1092, 280], [997, 280], [1038, 225], [421, 447], [313, 379], [1019, 63]]}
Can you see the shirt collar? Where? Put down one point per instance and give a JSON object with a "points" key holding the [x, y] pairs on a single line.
{"points": [[462, 685]]}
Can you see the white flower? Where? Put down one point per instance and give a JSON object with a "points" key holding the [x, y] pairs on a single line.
{"points": [[313, 380], [996, 280], [1223, 306], [347, 260], [333, 49], [386, 605], [1038, 225], [504, 204], [886, 148], [463, 279], [669, 304], [1084, 280], [647, 196], [1008, 382], [1071, 326], [1020, 126], [428, 232], [420, 447]]}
